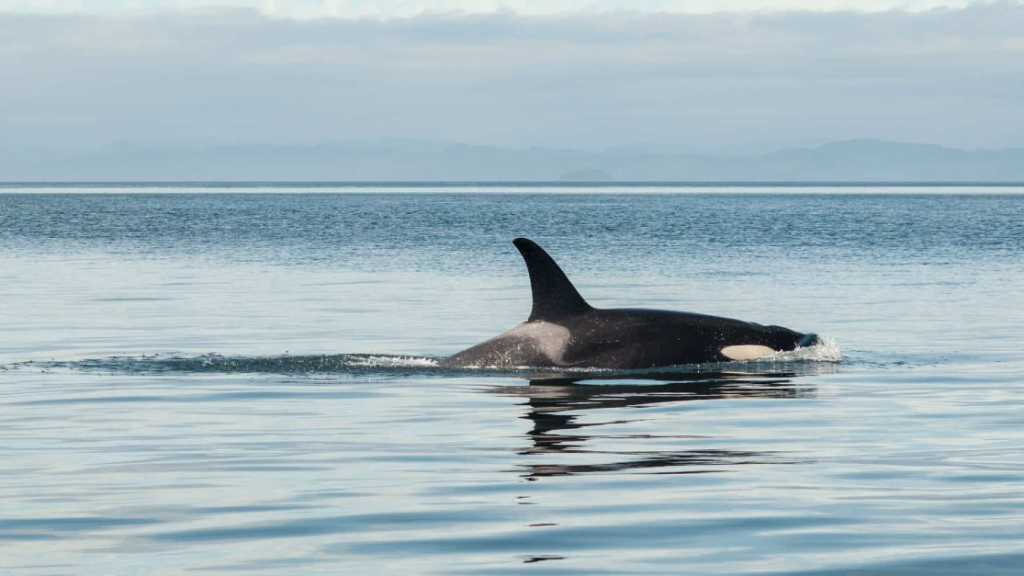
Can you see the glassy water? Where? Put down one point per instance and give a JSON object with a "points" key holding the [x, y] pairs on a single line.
{"points": [[246, 383]]}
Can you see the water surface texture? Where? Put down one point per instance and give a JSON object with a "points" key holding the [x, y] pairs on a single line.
{"points": [[246, 383]]}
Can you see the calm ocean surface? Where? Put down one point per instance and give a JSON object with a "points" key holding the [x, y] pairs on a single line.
{"points": [[245, 383]]}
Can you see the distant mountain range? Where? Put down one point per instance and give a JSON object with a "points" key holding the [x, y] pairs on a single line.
{"points": [[416, 160]]}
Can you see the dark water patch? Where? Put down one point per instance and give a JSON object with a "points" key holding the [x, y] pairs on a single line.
{"points": [[535, 559], [54, 528], [27, 536], [941, 561], [290, 228], [688, 462], [70, 524]]}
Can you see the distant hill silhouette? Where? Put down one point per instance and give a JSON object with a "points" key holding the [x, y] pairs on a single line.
{"points": [[586, 175], [417, 160]]}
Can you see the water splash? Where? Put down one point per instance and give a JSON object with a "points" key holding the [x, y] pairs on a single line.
{"points": [[826, 349]]}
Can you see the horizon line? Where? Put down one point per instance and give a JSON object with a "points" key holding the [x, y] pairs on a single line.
{"points": [[507, 183]]}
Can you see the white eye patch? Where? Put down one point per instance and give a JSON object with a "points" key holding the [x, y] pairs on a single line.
{"points": [[746, 352]]}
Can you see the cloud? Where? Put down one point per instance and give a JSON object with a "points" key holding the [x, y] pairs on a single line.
{"points": [[953, 76], [304, 9]]}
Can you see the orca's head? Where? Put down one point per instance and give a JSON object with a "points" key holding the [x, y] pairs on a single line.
{"points": [[808, 340], [783, 339]]}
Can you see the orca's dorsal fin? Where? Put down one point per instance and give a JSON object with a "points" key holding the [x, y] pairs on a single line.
{"points": [[554, 296]]}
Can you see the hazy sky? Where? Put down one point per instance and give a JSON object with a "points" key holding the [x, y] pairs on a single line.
{"points": [[513, 73], [404, 8]]}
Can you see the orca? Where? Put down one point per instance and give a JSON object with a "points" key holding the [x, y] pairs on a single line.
{"points": [[564, 331]]}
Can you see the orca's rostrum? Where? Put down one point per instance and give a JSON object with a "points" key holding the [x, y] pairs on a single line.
{"points": [[565, 331]]}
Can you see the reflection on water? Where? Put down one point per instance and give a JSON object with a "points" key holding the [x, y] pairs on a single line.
{"points": [[556, 403]]}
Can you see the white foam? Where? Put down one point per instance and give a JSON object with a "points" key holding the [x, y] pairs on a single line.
{"points": [[825, 350], [393, 362]]}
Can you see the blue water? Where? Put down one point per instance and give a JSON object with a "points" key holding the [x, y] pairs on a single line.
{"points": [[246, 383]]}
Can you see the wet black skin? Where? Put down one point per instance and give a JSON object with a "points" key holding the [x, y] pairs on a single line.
{"points": [[636, 338], [622, 338], [627, 339]]}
